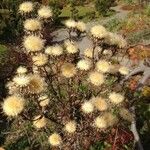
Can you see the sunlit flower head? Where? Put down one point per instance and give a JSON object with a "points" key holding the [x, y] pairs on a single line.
{"points": [[33, 43], [45, 12], [81, 26], [96, 78], [32, 25], [21, 80], [126, 114], [87, 107], [13, 105], [48, 50], [71, 47], [99, 103], [103, 66], [100, 122], [26, 7], [68, 70], [40, 59], [116, 98], [70, 23], [44, 100], [36, 84], [84, 64], [88, 53], [70, 126], [39, 122], [99, 32], [124, 70], [55, 139], [21, 70], [57, 50]]}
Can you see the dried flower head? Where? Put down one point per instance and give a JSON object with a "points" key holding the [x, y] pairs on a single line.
{"points": [[96, 78], [55, 139], [124, 70], [116, 98], [84, 64], [99, 103], [39, 122], [21, 70], [44, 100], [88, 53], [99, 32], [126, 114], [57, 50], [103, 66], [68, 70], [87, 107], [71, 47], [36, 84], [40, 59], [45, 12], [26, 7], [21, 80], [33, 43], [70, 23], [13, 105], [70, 127], [32, 25], [81, 26]]}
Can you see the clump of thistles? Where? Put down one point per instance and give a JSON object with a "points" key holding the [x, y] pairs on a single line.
{"points": [[116, 98], [13, 105], [103, 66], [96, 78], [33, 43], [26, 7], [45, 12], [99, 32], [32, 25], [55, 139], [70, 127], [84, 64], [68, 70]]}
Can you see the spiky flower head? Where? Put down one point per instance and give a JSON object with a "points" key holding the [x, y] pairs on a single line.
{"points": [[26, 7], [68, 70], [100, 122], [57, 50], [40, 59], [124, 70], [87, 107], [39, 121], [116, 98], [84, 64], [126, 114], [33, 43], [99, 103], [48, 50], [70, 127], [13, 105], [21, 70], [21, 80], [45, 12], [88, 53], [103, 66], [99, 32], [44, 100], [36, 84], [70, 23], [32, 25], [81, 26], [71, 47], [96, 78], [55, 139]]}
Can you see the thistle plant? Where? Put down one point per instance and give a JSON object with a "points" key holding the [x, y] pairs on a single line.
{"points": [[70, 99]]}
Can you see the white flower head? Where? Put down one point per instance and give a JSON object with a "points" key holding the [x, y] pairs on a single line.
{"points": [[21, 70], [70, 23], [55, 139], [81, 26], [124, 70], [45, 12], [71, 47], [21, 80], [116, 98], [84, 64], [57, 50], [103, 66], [26, 7], [48, 50], [87, 107], [88, 53], [70, 127]]}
